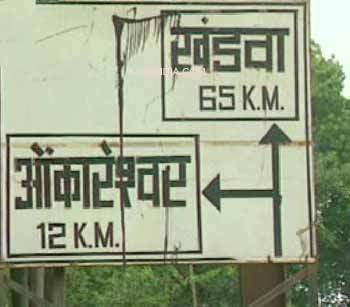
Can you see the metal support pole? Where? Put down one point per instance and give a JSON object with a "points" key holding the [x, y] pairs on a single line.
{"points": [[20, 276], [37, 284], [4, 291], [55, 286], [313, 288], [193, 287], [258, 279]]}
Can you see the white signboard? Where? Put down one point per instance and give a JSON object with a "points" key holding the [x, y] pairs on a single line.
{"points": [[156, 134]]}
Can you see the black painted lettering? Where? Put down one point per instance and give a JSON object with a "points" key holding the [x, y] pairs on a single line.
{"points": [[56, 231], [106, 239], [152, 172], [201, 52], [206, 102], [42, 229], [226, 91], [67, 176], [265, 45], [51, 232], [27, 184], [78, 237], [98, 185], [247, 98], [280, 53], [270, 102], [37, 185], [218, 42], [125, 177], [177, 52]]}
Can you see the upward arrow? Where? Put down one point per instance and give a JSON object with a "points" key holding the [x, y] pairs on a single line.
{"points": [[276, 137], [214, 193]]}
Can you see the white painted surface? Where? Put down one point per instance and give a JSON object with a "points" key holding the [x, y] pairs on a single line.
{"points": [[59, 76]]}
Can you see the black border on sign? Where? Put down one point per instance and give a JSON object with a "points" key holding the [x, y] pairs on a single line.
{"points": [[313, 252], [1, 168], [195, 138], [308, 132], [71, 262], [175, 2], [295, 117]]}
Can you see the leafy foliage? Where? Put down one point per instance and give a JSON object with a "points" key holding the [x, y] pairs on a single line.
{"points": [[145, 286], [334, 152], [332, 122], [217, 286]]}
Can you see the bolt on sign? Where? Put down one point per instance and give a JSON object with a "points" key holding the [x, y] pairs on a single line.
{"points": [[156, 132]]}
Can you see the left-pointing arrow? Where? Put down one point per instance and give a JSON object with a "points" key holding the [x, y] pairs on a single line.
{"points": [[214, 193]]}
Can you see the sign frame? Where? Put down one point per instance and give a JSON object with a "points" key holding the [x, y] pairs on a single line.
{"points": [[308, 129]]}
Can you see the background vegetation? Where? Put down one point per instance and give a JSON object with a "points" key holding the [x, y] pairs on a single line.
{"points": [[218, 286]]}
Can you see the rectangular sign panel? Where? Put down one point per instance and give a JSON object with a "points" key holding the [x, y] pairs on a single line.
{"points": [[173, 132], [64, 201], [253, 56]]}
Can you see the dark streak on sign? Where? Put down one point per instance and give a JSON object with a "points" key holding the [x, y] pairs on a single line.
{"points": [[166, 236], [118, 25]]}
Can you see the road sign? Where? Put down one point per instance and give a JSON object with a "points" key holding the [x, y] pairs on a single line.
{"points": [[158, 133]]}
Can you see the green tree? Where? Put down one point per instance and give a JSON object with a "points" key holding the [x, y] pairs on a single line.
{"points": [[217, 286], [152, 286], [332, 147], [133, 286], [334, 154]]}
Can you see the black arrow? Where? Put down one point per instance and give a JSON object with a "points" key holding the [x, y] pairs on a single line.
{"points": [[213, 192], [276, 137]]}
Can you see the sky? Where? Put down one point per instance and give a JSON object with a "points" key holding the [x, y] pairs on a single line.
{"points": [[330, 27]]}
